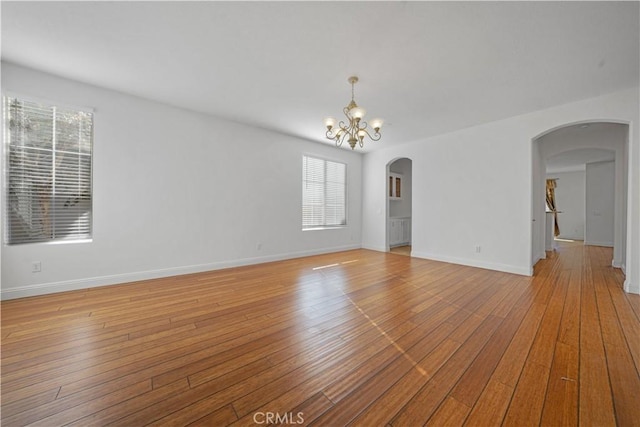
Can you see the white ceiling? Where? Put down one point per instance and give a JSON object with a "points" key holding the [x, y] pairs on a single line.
{"points": [[577, 160], [426, 67]]}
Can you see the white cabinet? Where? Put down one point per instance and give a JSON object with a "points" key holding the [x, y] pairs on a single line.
{"points": [[399, 231], [395, 186]]}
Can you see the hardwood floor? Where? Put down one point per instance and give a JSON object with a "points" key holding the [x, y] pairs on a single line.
{"points": [[401, 250], [356, 338]]}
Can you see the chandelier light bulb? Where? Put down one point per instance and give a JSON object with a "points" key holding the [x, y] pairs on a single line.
{"points": [[329, 122], [377, 124], [357, 113]]}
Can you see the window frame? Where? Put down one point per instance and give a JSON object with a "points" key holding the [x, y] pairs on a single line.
{"points": [[6, 171], [326, 226]]}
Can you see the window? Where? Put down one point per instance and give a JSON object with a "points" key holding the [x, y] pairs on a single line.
{"points": [[324, 193], [48, 172]]}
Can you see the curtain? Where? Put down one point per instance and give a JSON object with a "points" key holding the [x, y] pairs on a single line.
{"points": [[551, 203]]}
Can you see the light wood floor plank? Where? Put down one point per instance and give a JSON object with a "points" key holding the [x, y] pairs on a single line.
{"points": [[596, 398]]}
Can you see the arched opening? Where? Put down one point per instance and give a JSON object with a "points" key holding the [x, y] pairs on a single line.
{"points": [[591, 157], [398, 205]]}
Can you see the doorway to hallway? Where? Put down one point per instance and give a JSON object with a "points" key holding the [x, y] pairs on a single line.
{"points": [[398, 196], [589, 163]]}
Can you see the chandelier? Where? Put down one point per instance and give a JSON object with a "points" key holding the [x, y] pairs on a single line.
{"points": [[356, 129]]}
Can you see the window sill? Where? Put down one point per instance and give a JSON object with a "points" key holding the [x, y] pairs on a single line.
{"points": [[52, 242], [331, 227]]}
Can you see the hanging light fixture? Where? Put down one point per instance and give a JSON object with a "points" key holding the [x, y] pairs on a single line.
{"points": [[356, 129]]}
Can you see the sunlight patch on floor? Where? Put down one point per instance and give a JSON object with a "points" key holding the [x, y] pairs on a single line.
{"points": [[335, 264], [388, 338]]}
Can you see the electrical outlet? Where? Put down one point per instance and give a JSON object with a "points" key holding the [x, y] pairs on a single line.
{"points": [[36, 267], [259, 246], [478, 248]]}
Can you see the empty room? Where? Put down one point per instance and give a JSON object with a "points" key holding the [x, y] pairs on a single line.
{"points": [[320, 213]]}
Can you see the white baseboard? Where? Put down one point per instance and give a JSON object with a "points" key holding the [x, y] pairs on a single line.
{"points": [[631, 288], [571, 237], [540, 256], [375, 248], [92, 282], [523, 271], [592, 243]]}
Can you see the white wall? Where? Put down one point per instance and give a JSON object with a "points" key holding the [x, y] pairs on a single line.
{"points": [[474, 187], [176, 192], [600, 191], [570, 201], [466, 193]]}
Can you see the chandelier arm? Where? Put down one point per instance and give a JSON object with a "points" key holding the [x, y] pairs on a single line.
{"points": [[347, 130], [375, 137], [340, 138]]}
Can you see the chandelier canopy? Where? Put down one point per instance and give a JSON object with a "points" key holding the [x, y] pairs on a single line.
{"points": [[355, 129]]}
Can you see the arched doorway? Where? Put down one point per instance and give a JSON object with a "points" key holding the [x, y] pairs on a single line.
{"points": [[398, 205], [598, 146]]}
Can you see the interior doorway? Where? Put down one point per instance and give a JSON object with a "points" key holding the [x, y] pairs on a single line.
{"points": [[591, 154], [399, 201]]}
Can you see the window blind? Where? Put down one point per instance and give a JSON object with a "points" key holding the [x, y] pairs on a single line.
{"points": [[323, 193], [48, 172]]}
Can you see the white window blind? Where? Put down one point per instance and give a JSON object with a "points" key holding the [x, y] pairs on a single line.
{"points": [[324, 193], [48, 172]]}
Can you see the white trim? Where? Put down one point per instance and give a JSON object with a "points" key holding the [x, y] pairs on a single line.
{"points": [[605, 244], [328, 227], [539, 257], [523, 271], [46, 101], [92, 282], [375, 248], [325, 157], [629, 288]]}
